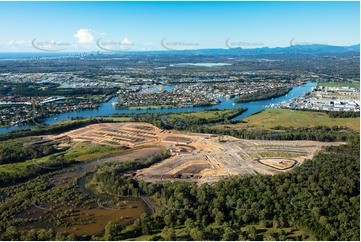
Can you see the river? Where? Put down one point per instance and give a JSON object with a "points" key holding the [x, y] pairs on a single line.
{"points": [[107, 108]]}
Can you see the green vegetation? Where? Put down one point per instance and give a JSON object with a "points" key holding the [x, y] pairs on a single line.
{"points": [[270, 118], [317, 133], [343, 114], [87, 151], [20, 150], [339, 84], [297, 205], [319, 200], [53, 129], [262, 95], [60, 205], [30, 166], [188, 120]]}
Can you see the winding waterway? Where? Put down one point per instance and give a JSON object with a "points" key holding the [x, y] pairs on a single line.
{"points": [[107, 108]]}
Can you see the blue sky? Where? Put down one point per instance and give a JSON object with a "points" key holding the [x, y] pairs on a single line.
{"points": [[79, 26]]}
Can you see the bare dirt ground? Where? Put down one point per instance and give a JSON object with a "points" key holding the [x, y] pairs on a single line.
{"points": [[200, 158], [123, 134]]}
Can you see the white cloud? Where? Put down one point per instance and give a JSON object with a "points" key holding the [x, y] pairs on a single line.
{"points": [[84, 36], [126, 41]]}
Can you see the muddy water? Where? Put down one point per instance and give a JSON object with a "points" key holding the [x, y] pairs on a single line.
{"points": [[92, 219], [88, 167], [88, 221]]}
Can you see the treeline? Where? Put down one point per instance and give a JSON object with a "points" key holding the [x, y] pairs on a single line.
{"points": [[317, 133], [16, 150], [106, 184], [321, 198], [182, 121], [344, 114], [53, 129], [262, 95]]}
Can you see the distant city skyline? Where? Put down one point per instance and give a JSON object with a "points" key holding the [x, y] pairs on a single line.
{"points": [[123, 26]]}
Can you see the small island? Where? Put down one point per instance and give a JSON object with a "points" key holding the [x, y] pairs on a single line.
{"points": [[262, 95]]}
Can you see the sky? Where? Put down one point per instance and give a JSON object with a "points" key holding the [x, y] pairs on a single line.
{"points": [[122, 26]]}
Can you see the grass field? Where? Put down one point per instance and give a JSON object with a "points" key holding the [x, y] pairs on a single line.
{"points": [[83, 151], [270, 118], [339, 84]]}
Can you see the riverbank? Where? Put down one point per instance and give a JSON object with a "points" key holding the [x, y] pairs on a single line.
{"points": [[263, 95], [107, 109]]}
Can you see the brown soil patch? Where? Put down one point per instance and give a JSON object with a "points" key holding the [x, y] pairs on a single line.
{"points": [[197, 157]]}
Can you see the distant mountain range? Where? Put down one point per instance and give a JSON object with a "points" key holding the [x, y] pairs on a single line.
{"points": [[292, 49]]}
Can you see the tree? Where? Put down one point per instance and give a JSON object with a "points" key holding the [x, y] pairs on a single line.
{"points": [[196, 234], [168, 234], [189, 223], [109, 231], [229, 234]]}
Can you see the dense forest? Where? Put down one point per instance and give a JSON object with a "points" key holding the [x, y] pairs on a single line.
{"points": [[16, 150], [262, 95]]}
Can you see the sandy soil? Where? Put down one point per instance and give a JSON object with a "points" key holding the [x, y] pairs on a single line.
{"points": [[200, 158]]}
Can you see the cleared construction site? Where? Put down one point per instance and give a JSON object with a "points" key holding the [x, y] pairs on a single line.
{"points": [[200, 158]]}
